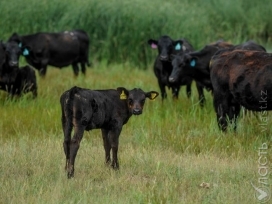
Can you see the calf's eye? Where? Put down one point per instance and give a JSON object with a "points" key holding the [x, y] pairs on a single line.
{"points": [[130, 101]]}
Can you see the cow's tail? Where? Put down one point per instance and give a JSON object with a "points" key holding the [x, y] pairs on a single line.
{"points": [[67, 102]]}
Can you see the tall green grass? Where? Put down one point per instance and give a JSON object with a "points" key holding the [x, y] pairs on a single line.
{"points": [[119, 29], [165, 153]]}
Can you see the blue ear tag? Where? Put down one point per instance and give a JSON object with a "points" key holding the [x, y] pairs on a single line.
{"points": [[177, 47], [193, 63], [25, 52], [20, 44]]}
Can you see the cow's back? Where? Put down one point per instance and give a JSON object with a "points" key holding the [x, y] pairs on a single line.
{"points": [[59, 49], [63, 48], [246, 74], [250, 45]]}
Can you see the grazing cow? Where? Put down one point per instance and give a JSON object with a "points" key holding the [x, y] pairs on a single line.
{"points": [[162, 67], [240, 78], [107, 110], [196, 64], [55, 49]]}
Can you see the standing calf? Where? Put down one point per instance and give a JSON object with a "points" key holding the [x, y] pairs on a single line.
{"points": [[108, 110]]}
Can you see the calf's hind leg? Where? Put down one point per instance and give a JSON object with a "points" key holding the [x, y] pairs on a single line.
{"points": [[67, 129], [74, 146]]}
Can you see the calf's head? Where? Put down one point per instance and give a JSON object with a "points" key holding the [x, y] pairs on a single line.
{"points": [[166, 46], [135, 98]]}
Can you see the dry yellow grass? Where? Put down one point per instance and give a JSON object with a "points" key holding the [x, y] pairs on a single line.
{"points": [[165, 154]]}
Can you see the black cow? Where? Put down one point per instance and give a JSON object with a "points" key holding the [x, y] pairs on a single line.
{"points": [[8, 64], [9, 57], [196, 64], [162, 67], [7, 73], [13, 79], [55, 49], [107, 110], [23, 81], [240, 78]]}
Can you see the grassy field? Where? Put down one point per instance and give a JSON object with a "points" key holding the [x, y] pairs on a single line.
{"points": [[119, 29], [165, 154], [168, 152]]}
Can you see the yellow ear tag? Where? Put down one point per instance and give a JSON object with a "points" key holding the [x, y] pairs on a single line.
{"points": [[153, 96], [123, 96]]}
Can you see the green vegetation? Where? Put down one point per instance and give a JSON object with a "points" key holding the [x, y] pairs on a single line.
{"points": [[168, 151], [120, 29], [165, 153]]}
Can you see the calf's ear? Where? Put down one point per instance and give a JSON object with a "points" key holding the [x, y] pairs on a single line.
{"points": [[151, 95], [123, 93]]}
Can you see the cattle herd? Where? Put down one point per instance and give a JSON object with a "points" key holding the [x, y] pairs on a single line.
{"points": [[236, 75], [40, 50]]}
